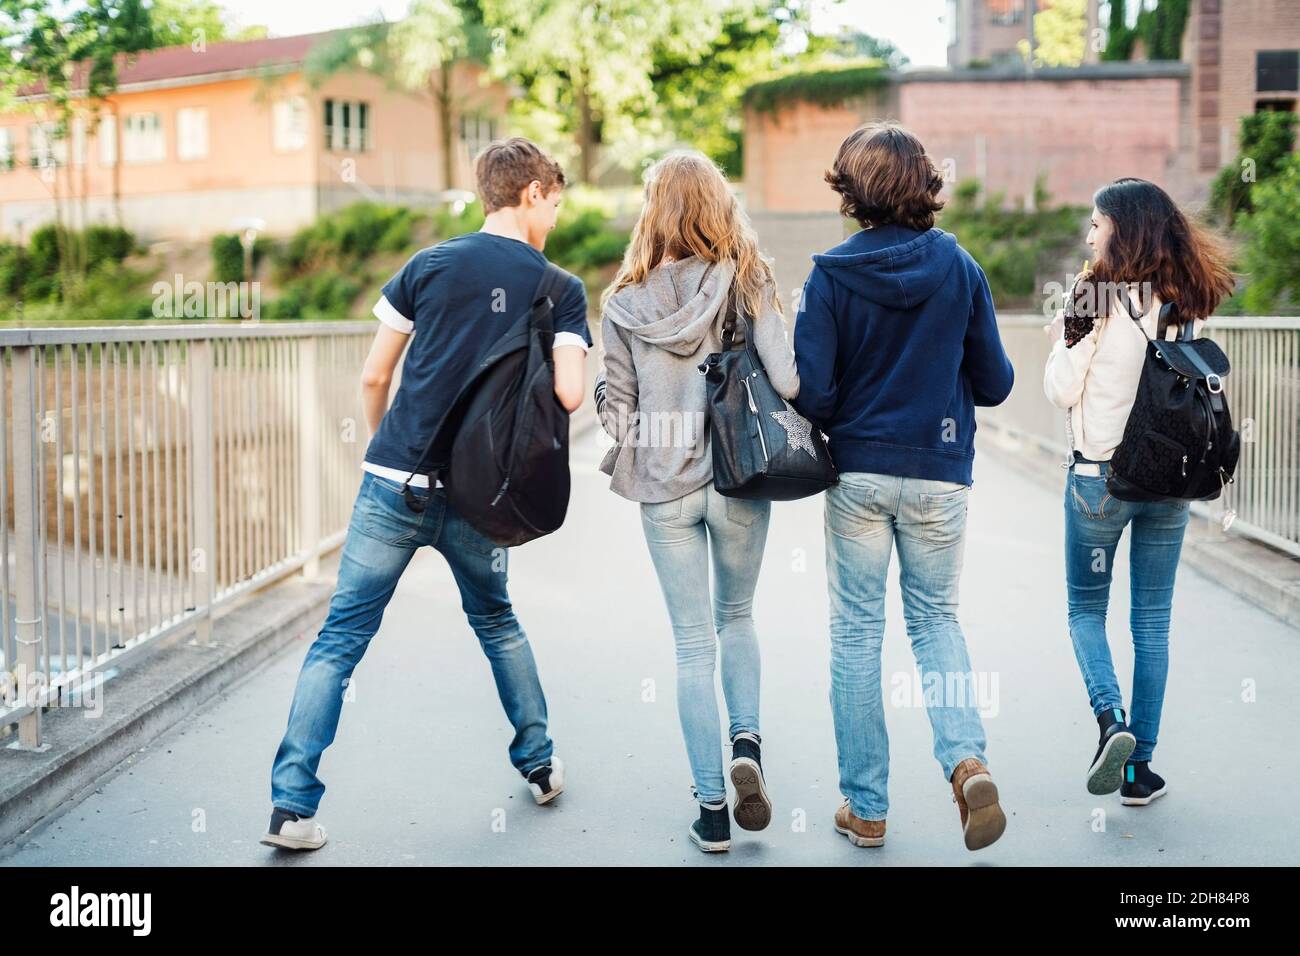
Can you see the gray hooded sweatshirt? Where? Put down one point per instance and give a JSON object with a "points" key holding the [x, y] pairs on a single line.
{"points": [[650, 395]]}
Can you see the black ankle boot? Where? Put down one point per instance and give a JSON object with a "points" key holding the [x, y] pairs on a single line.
{"points": [[1141, 784], [712, 831], [1114, 747]]}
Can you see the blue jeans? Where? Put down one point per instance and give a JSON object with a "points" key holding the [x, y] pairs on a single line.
{"points": [[867, 515], [382, 537], [1094, 522], [681, 534]]}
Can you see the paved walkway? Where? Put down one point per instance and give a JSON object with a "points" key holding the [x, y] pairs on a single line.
{"points": [[419, 773]]}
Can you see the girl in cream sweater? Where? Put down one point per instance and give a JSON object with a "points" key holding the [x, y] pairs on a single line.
{"points": [[1146, 253]]}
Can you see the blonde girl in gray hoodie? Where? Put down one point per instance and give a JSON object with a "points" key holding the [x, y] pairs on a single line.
{"points": [[691, 249]]}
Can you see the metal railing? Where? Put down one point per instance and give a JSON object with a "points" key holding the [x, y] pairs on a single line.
{"points": [[151, 475], [1263, 392]]}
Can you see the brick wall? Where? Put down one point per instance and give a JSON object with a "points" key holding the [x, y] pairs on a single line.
{"points": [[1077, 133], [1221, 41]]}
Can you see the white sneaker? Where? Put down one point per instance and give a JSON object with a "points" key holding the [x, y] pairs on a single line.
{"points": [[294, 832], [547, 781]]}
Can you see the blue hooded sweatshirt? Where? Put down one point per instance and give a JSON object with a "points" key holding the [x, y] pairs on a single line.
{"points": [[896, 342]]}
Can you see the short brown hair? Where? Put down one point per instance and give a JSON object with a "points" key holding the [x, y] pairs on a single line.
{"points": [[506, 167], [883, 175]]}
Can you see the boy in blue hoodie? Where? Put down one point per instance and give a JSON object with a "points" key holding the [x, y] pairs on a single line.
{"points": [[896, 342]]}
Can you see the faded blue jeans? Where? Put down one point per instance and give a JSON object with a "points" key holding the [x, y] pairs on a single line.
{"points": [[1094, 522], [682, 534], [867, 515], [382, 537]]}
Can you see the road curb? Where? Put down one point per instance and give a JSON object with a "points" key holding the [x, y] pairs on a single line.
{"points": [[148, 698]]}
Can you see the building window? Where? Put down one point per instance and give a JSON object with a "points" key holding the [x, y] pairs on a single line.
{"points": [[46, 147], [1277, 71], [1276, 106], [142, 139], [289, 124], [347, 126], [477, 132], [191, 133], [6, 148], [1005, 13], [108, 140]]}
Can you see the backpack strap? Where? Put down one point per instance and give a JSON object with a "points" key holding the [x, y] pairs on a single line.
{"points": [[548, 287], [1136, 315]]}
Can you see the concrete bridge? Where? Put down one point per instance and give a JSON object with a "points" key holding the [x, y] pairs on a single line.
{"points": [[172, 500]]}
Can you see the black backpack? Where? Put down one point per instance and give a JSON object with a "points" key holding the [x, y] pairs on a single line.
{"points": [[1179, 441], [762, 448], [502, 448]]}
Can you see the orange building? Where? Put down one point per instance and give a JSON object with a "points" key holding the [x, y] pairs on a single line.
{"points": [[195, 142]]}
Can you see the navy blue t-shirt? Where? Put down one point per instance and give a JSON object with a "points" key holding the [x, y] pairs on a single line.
{"points": [[457, 299]]}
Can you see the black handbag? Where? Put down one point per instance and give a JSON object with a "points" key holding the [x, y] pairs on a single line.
{"points": [[1178, 442], [762, 448]]}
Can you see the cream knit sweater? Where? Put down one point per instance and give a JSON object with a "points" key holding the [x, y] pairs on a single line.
{"points": [[1097, 379]]}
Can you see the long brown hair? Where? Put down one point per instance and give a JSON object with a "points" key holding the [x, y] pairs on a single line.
{"points": [[1152, 243], [690, 211]]}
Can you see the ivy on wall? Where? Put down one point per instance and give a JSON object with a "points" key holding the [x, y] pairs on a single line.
{"points": [[829, 87], [1160, 30]]}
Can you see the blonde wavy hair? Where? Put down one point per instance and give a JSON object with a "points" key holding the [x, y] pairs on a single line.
{"points": [[690, 211]]}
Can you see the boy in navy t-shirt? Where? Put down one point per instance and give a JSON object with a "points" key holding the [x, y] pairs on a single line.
{"points": [[446, 307]]}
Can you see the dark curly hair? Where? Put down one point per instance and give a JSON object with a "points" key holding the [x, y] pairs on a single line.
{"points": [[883, 175]]}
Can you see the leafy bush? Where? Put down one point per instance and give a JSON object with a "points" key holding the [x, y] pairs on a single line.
{"points": [[318, 296], [351, 234], [447, 223], [1266, 138], [39, 277], [1272, 254], [12, 268], [43, 252], [583, 238], [1014, 247], [107, 244], [227, 258]]}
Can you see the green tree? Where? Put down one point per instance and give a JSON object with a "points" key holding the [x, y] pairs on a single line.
{"points": [[1272, 230], [863, 46], [61, 66], [196, 22], [1119, 38], [1060, 32], [587, 65], [699, 95]]}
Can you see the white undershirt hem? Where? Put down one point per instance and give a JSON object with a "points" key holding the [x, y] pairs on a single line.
{"points": [[394, 474]]}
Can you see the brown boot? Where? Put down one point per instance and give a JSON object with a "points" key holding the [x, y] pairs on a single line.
{"points": [[860, 832], [982, 820]]}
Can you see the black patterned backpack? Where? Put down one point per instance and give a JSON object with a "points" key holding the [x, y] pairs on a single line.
{"points": [[1179, 441]]}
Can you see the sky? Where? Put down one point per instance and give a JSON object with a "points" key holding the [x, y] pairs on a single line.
{"points": [[914, 26]]}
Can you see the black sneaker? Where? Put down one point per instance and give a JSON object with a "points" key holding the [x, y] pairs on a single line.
{"points": [[547, 781], [1141, 784], [712, 831], [752, 810], [1116, 745]]}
